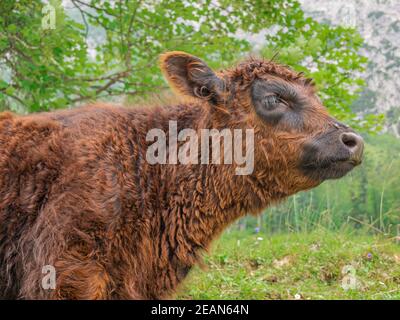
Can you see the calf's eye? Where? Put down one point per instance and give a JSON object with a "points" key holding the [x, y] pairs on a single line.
{"points": [[271, 101], [268, 102], [271, 107]]}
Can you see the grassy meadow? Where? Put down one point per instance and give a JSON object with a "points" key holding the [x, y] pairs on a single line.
{"points": [[312, 265]]}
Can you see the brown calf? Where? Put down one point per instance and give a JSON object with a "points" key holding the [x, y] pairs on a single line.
{"points": [[77, 193]]}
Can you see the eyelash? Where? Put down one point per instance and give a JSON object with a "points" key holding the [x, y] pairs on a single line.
{"points": [[274, 99]]}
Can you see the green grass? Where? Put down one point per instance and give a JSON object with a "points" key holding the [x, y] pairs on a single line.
{"points": [[297, 265]]}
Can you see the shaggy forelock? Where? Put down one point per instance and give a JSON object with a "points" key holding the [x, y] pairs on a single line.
{"points": [[253, 68]]}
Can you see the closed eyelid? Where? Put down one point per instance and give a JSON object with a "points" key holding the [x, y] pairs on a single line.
{"points": [[283, 90]]}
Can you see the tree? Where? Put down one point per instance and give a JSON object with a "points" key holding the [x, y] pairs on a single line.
{"points": [[100, 49]]}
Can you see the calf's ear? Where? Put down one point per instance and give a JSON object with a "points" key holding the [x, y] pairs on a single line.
{"points": [[190, 76]]}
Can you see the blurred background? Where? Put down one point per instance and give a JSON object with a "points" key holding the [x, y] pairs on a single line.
{"points": [[61, 54]]}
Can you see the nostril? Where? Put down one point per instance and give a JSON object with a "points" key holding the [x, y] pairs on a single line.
{"points": [[350, 140]]}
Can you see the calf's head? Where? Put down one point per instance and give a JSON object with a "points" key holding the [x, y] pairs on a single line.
{"points": [[295, 137]]}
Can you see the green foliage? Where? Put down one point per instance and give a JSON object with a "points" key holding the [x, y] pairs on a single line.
{"points": [[101, 49], [42, 63], [52, 68], [297, 266]]}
